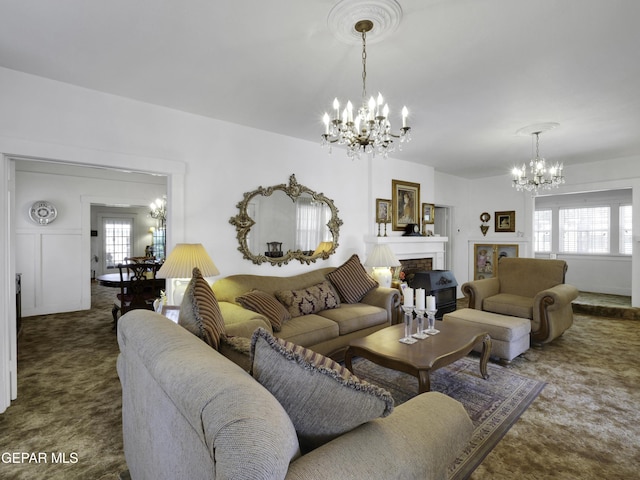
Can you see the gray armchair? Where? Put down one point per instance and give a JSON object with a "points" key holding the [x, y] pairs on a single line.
{"points": [[528, 288]]}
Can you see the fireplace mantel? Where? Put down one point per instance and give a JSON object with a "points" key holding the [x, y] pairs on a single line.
{"points": [[406, 248]]}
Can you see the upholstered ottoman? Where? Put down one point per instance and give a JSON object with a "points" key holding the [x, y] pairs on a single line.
{"points": [[509, 335]]}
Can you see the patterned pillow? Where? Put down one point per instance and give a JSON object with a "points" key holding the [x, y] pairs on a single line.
{"points": [[200, 313], [323, 399], [267, 305], [308, 300], [351, 280]]}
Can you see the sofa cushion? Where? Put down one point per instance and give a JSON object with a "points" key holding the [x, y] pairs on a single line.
{"points": [[267, 305], [309, 300], [200, 313], [351, 280], [507, 304], [352, 317], [309, 330], [323, 399]]}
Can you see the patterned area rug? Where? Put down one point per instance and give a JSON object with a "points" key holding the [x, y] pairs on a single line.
{"points": [[494, 405]]}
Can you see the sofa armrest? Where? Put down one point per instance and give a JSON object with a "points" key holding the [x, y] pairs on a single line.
{"points": [[417, 441], [556, 297], [383, 297], [552, 312], [477, 290], [241, 322]]}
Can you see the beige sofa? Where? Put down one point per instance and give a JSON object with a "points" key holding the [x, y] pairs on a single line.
{"points": [[190, 413], [327, 332], [527, 288]]}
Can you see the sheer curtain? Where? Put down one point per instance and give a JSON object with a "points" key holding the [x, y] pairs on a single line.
{"points": [[311, 223]]}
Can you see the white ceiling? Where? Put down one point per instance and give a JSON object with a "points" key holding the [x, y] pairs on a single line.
{"points": [[472, 72]]}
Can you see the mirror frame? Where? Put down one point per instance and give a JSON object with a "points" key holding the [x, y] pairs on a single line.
{"points": [[243, 223]]}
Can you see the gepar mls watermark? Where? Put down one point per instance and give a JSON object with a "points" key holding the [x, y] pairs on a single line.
{"points": [[40, 457]]}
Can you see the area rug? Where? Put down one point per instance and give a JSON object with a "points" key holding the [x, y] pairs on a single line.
{"points": [[493, 405]]}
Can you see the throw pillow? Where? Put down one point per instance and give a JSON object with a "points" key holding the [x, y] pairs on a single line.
{"points": [[200, 312], [309, 300], [323, 398], [267, 305], [351, 280]]}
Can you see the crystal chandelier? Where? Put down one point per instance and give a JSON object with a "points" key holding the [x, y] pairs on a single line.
{"points": [[542, 176], [368, 130], [158, 210]]}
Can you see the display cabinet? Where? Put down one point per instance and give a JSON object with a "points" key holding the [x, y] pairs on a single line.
{"points": [[486, 256]]}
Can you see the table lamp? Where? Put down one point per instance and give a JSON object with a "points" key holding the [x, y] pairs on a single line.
{"points": [[179, 267], [381, 259]]}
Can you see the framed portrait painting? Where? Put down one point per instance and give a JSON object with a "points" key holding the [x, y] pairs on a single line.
{"points": [[505, 221], [383, 210], [405, 199]]}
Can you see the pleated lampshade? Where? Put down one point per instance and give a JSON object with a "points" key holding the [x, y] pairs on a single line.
{"points": [[182, 260]]}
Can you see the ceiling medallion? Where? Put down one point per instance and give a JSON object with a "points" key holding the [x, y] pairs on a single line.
{"points": [[385, 15]]}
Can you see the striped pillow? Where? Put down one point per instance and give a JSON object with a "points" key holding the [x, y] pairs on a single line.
{"points": [[267, 305], [200, 312], [323, 398], [351, 280]]}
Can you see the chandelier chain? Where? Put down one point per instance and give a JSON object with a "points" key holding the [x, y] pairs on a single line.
{"points": [[364, 66]]}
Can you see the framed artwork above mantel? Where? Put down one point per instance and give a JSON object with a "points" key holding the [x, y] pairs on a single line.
{"points": [[405, 200]]}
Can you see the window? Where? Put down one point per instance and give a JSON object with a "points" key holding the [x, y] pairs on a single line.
{"points": [[311, 223], [584, 230], [542, 230], [586, 223], [625, 235], [117, 240]]}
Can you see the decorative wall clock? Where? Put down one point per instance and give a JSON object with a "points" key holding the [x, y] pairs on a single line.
{"points": [[43, 212]]}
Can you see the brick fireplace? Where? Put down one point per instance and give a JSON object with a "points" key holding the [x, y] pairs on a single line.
{"points": [[423, 262], [413, 248], [414, 265]]}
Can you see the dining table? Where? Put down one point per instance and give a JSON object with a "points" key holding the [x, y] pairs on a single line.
{"points": [[113, 280]]}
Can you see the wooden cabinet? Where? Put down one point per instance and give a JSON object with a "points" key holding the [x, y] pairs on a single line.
{"points": [[486, 256]]}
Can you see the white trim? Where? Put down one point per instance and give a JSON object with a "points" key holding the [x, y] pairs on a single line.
{"points": [[28, 149]]}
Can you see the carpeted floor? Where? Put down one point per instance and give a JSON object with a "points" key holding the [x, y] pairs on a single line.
{"points": [[584, 424], [493, 405]]}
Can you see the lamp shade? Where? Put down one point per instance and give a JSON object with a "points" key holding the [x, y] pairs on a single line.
{"points": [[323, 247], [382, 256], [182, 260]]}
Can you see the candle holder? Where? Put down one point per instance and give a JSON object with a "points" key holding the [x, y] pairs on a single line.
{"points": [[431, 315], [420, 333], [408, 326]]}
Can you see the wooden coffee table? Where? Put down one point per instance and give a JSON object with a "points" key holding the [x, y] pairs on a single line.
{"points": [[423, 357]]}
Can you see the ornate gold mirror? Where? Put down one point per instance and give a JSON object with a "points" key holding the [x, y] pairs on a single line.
{"points": [[286, 222]]}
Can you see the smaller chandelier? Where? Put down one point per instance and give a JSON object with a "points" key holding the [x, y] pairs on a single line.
{"points": [[368, 130], [541, 176], [158, 210]]}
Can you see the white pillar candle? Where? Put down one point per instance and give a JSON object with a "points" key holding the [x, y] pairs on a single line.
{"points": [[420, 299], [408, 297], [431, 303]]}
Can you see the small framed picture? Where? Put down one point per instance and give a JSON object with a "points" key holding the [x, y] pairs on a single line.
{"points": [[428, 213], [505, 221], [172, 312], [406, 204], [383, 210]]}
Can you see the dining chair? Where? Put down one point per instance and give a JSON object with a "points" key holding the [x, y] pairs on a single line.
{"points": [[138, 288]]}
